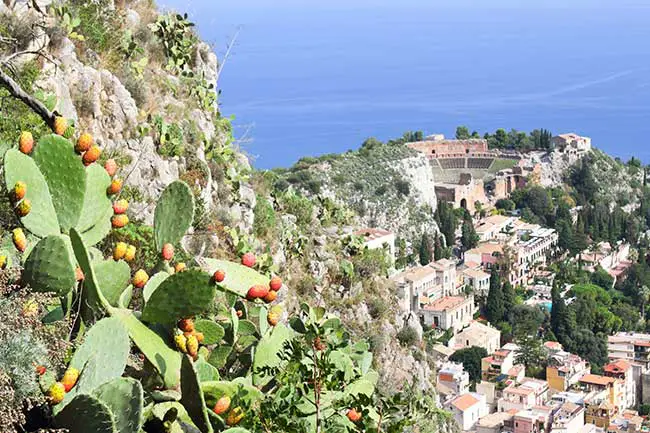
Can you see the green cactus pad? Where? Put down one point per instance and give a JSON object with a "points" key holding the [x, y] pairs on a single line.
{"points": [[153, 284], [184, 294], [84, 414], [42, 220], [212, 331], [65, 176], [96, 203], [205, 371], [124, 397], [125, 297], [266, 354], [236, 430], [112, 277], [239, 278], [165, 360], [49, 267], [100, 230], [213, 391], [93, 303], [192, 396], [219, 356], [174, 214]]}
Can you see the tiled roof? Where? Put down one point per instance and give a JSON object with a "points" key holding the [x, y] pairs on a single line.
{"points": [[618, 366], [446, 303], [464, 401], [596, 379]]}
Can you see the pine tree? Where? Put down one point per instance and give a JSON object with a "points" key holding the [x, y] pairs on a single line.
{"points": [[494, 308], [425, 250]]}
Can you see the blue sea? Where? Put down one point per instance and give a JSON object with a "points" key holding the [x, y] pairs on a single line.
{"points": [[307, 79]]}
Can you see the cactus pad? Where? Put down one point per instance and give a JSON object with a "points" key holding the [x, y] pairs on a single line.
{"points": [[153, 284], [42, 220], [192, 396], [100, 230], [112, 277], [49, 267], [174, 214], [165, 360], [214, 390], [205, 371], [125, 297], [184, 294], [267, 352], [239, 278], [212, 331], [124, 397], [96, 203], [85, 414], [65, 177]]}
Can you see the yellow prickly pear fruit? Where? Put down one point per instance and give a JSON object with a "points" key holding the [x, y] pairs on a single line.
{"points": [[235, 416], [192, 345], [140, 279], [70, 378], [84, 142], [56, 393], [119, 250], [130, 253], [19, 191], [3, 262], [274, 316], [179, 267], [60, 125], [26, 142], [181, 342], [20, 241], [24, 208]]}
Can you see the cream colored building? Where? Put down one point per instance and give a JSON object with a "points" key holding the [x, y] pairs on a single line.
{"points": [[478, 334], [450, 312]]}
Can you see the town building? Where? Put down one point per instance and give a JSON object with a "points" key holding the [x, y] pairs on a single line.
{"points": [[572, 143], [478, 280], [446, 276], [423, 285], [452, 379], [529, 393], [498, 422], [605, 388], [467, 409], [479, 334], [615, 260], [569, 418], [450, 312], [621, 369], [374, 239], [497, 364], [533, 420], [564, 370], [600, 413]]}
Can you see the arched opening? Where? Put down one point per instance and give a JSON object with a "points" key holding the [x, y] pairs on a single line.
{"points": [[463, 203]]}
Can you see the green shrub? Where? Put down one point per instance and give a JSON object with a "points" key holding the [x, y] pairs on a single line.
{"points": [[264, 222], [407, 336]]}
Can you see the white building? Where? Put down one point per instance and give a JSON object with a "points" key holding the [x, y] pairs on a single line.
{"points": [[378, 239], [478, 334], [450, 312], [572, 143], [452, 379], [530, 393], [570, 418], [467, 409], [478, 280]]}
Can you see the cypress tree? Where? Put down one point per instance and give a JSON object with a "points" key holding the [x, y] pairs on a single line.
{"points": [[494, 308], [509, 297], [425, 250]]}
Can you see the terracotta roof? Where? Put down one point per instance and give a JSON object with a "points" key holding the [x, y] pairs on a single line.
{"points": [[618, 366], [553, 345], [464, 401], [446, 303], [596, 379]]}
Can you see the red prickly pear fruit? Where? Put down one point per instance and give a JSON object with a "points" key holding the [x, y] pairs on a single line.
{"points": [[91, 155], [84, 142], [240, 313], [114, 187], [186, 325], [60, 125], [223, 404], [219, 275], [276, 283], [26, 142], [40, 370], [119, 221], [120, 206], [248, 259], [354, 415], [111, 167], [167, 252], [257, 291], [19, 191], [140, 278]]}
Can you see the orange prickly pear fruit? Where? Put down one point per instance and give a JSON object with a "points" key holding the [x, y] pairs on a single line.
{"points": [[271, 296], [91, 155], [274, 315], [19, 191], [192, 345], [223, 404], [167, 252], [219, 276], [235, 416], [186, 325], [199, 336], [24, 208], [119, 221], [20, 240], [3, 262], [140, 279], [79, 274], [353, 415], [26, 142], [114, 187], [120, 206], [180, 267], [70, 378]]}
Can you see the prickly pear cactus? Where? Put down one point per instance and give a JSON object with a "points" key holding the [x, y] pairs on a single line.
{"points": [[192, 396], [239, 278], [174, 214], [124, 397], [113, 278], [183, 294], [86, 413]]}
